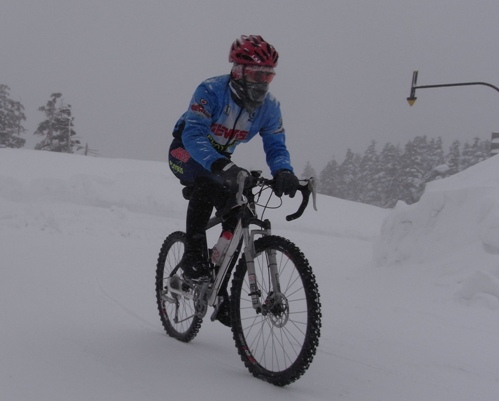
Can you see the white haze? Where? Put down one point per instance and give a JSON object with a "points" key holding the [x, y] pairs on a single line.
{"points": [[128, 68]]}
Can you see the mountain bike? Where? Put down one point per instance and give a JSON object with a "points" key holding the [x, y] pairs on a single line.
{"points": [[274, 307]]}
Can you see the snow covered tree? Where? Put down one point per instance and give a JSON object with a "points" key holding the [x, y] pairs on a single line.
{"points": [[348, 177], [390, 178], [57, 129], [474, 153], [308, 171], [453, 158], [11, 118], [368, 176], [434, 156], [328, 179], [395, 174], [413, 171]]}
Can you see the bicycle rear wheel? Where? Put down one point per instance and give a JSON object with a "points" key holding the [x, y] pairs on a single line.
{"points": [[278, 343], [177, 313]]}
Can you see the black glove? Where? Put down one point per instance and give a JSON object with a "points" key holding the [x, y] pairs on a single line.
{"points": [[285, 182], [228, 171]]}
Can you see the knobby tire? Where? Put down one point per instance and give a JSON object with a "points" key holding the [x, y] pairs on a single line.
{"points": [[189, 324], [277, 347]]}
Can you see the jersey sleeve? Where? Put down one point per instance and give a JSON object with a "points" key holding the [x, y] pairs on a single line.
{"points": [[198, 119], [274, 140]]}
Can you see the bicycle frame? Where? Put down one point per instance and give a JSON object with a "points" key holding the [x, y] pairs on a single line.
{"points": [[246, 216], [241, 232]]}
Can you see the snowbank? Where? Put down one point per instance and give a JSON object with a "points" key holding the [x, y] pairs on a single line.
{"points": [[453, 213], [457, 218]]}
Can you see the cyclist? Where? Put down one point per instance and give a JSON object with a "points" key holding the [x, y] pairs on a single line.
{"points": [[223, 112]]}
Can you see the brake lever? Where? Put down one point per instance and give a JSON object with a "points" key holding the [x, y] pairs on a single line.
{"points": [[306, 188], [313, 189], [241, 179]]}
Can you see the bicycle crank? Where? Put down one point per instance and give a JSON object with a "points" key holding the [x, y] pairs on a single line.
{"points": [[202, 293]]}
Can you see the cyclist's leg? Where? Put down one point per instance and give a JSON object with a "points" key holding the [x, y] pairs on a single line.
{"points": [[204, 191], [198, 214], [199, 209]]}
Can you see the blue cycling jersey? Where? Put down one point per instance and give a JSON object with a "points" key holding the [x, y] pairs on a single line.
{"points": [[214, 125]]}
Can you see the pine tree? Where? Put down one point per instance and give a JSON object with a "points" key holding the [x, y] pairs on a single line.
{"points": [[413, 170], [481, 150], [453, 158], [475, 153], [390, 175], [328, 179], [368, 176], [348, 177], [435, 156], [11, 117], [57, 129], [486, 146], [308, 171], [433, 160]]}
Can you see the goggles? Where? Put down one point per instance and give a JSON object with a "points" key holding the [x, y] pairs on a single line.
{"points": [[258, 74], [253, 73]]}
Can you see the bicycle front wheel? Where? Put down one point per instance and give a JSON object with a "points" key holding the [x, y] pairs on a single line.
{"points": [[177, 313], [278, 342]]}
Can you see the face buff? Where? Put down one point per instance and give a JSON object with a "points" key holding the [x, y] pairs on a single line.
{"points": [[255, 92], [248, 95]]}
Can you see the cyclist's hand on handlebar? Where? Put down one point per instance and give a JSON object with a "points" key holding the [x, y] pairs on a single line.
{"points": [[228, 171], [285, 182]]}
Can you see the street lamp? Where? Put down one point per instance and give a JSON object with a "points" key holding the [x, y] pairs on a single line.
{"points": [[412, 99]]}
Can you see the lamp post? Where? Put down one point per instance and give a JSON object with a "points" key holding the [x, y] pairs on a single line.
{"points": [[412, 99]]}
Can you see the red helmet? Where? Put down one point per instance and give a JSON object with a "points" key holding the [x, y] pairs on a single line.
{"points": [[253, 50]]}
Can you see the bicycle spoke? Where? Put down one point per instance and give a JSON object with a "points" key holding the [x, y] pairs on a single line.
{"points": [[278, 341], [176, 312]]}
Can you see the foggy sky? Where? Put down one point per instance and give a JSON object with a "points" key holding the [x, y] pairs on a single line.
{"points": [[128, 69]]}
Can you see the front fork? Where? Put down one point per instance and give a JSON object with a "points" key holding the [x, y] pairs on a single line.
{"points": [[271, 261]]}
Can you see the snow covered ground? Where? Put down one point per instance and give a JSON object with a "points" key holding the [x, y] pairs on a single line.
{"points": [[410, 296]]}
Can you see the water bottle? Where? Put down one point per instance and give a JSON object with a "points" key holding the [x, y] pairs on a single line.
{"points": [[221, 247]]}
